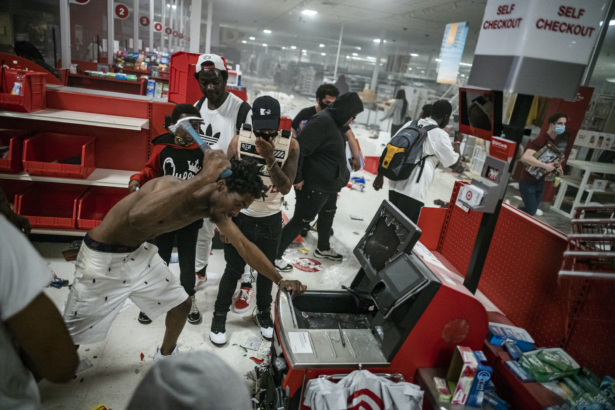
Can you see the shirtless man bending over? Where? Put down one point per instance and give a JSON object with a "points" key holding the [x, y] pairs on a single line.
{"points": [[115, 261]]}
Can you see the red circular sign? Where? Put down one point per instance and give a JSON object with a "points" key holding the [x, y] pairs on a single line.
{"points": [[157, 27], [469, 195], [144, 20], [121, 11], [168, 30], [175, 33], [81, 2]]}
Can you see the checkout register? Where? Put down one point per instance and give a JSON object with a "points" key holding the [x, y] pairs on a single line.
{"points": [[401, 312]]}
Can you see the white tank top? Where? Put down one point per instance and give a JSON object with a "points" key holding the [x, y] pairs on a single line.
{"points": [[246, 147]]}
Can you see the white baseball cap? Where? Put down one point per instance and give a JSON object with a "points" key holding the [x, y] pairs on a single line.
{"points": [[217, 61]]}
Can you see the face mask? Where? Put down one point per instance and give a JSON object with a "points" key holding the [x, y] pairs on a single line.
{"points": [[323, 105], [559, 129], [264, 136]]}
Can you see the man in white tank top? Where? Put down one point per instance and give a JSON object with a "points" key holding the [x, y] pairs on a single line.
{"points": [[277, 154]]}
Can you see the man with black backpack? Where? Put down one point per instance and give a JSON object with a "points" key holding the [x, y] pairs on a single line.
{"points": [[409, 161], [224, 113]]}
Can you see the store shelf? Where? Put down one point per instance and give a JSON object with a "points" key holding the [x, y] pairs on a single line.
{"points": [[100, 177], [58, 232], [82, 118]]}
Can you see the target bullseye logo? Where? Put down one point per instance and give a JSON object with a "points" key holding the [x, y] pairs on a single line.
{"points": [[469, 195]]}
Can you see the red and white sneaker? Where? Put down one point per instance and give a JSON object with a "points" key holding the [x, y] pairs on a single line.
{"points": [[242, 304], [200, 282]]}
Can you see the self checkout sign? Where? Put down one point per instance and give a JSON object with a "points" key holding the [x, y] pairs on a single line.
{"points": [[536, 47], [121, 11]]}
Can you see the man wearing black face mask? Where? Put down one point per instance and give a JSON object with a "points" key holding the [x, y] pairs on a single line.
{"points": [[278, 156], [409, 195], [322, 173]]}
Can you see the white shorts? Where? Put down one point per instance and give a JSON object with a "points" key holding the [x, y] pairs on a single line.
{"points": [[103, 282]]}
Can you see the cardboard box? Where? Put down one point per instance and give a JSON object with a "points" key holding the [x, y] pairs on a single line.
{"points": [[444, 393], [481, 381], [461, 374], [498, 333]]}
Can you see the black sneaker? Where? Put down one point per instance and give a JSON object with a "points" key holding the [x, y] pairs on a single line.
{"points": [[328, 254], [282, 266], [217, 335], [304, 232], [143, 319], [194, 317], [266, 324]]}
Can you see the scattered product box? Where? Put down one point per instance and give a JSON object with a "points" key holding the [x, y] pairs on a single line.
{"points": [[512, 349], [481, 381], [589, 375], [494, 401], [543, 371], [557, 358], [519, 371], [461, 374], [498, 333], [607, 388], [572, 386], [585, 383], [444, 394]]}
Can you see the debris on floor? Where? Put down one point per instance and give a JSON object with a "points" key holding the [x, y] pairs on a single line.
{"points": [[307, 264], [235, 344], [58, 283], [84, 364], [128, 303], [100, 407], [253, 343], [257, 361], [137, 371], [356, 217], [142, 356]]}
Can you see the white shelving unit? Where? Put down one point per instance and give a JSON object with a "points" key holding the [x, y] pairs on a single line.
{"points": [[58, 232], [82, 118], [100, 177]]}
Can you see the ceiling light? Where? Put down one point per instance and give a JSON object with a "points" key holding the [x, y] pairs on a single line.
{"points": [[267, 31], [321, 45], [358, 48], [252, 38], [611, 80], [355, 54], [612, 23], [244, 41], [409, 68], [304, 51], [323, 54], [414, 55], [293, 47], [168, 5], [309, 12], [264, 44], [466, 64], [174, 6], [283, 48], [437, 59], [423, 72], [377, 40]]}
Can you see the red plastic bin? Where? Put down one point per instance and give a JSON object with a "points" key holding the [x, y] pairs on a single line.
{"points": [[34, 89], [13, 189], [183, 87], [371, 164], [51, 206], [95, 203], [11, 164], [43, 153], [286, 123]]}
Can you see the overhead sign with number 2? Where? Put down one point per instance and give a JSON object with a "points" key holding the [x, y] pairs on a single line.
{"points": [[121, 11]]}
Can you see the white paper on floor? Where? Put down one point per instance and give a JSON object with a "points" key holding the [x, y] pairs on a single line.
{"points": [[128, 303], [253, 343], [84, 364]]}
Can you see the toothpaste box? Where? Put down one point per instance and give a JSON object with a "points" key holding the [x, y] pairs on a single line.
{"points": [[519, 371], [444, 394], [498, 333], [481, 381], [461, 374]]}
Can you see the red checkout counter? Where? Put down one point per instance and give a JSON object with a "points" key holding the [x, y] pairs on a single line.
{"points": [[402, 312]]}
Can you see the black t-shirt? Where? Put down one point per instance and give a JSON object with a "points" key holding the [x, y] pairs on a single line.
{"points": [[307, 113]]}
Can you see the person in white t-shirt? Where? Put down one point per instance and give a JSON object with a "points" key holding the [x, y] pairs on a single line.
{"points": [[34, 340], [224, 113], [409, 194]]}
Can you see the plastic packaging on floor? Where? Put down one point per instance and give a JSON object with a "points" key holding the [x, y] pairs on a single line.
{"points": [[358, 389]]}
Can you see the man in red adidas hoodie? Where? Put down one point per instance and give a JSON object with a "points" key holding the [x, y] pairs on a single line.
{"points": [[177, 155]]}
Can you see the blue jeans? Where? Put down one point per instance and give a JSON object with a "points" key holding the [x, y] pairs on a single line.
{"points": [[531, 193]]}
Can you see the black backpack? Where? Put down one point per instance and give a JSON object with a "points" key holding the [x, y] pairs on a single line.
{"points": [[403, 153]]}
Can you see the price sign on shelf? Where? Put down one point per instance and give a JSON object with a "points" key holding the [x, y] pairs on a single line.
{"points": [[121, 11], [168, 30], [144, 21], [157, 27]]}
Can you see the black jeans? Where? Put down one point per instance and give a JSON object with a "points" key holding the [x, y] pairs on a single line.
{"points": [[310, 203], [531, 193], [408, 206], [186, 249], [263, 232]]}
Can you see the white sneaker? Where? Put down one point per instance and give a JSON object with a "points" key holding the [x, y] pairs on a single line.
{"points": [[217, 335], [159, 356], [539, 212], [265, 323], [202, 282], [282, 265]]}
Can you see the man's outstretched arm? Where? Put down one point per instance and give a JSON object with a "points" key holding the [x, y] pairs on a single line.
{"points": [[255, 258]]}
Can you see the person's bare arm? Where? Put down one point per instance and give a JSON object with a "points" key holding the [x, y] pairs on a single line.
{"points": [[231, 151], [47, 346], [255, 258], [294, 132], [281, 178], [528, 158], [161, 201], [354, 148]]}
